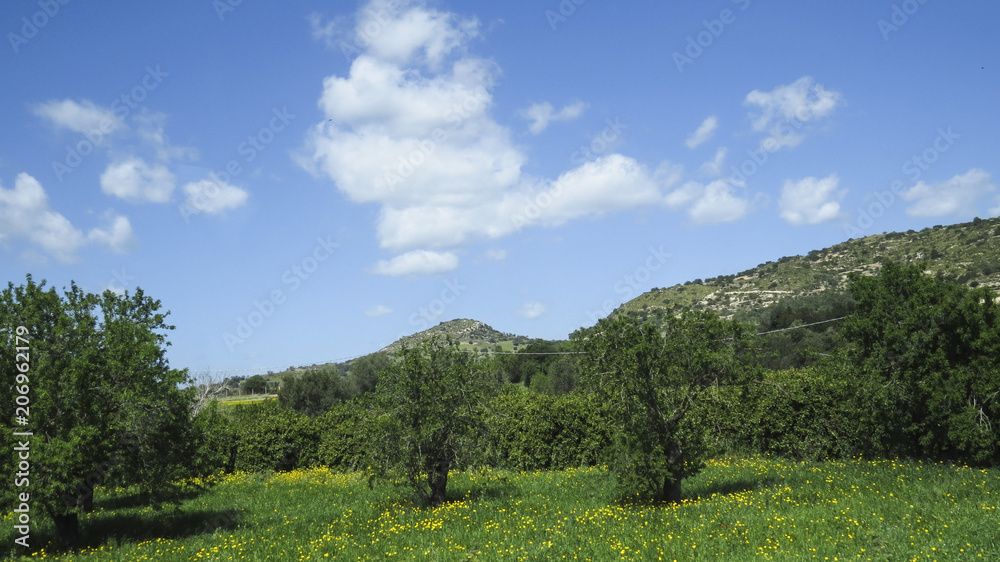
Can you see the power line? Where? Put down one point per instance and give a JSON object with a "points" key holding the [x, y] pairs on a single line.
{"points": [[802, 326], [343, 359]]}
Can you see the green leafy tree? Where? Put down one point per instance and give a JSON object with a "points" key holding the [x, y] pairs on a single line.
{"points": [[928, 355], [364, 371], [650, 380], [428, 416], [314, 392], [104, 404], [256, 384], [560, 377]]}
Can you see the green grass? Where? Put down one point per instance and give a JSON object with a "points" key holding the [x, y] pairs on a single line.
{"points": [[738, 510]]}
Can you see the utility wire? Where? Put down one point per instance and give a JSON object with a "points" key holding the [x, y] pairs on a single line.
{"points": [[343, 359]]}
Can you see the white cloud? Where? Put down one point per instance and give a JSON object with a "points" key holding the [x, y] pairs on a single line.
{"points": [[532, 310], [212, 197], [420, 142], [118, 236], [704, 132], [709, 204], [541, 114], [82, 117], [25, 213], [417, 262], [136, 181], [378, 310], [407, 32], [684, 195], [956, 196], [787, 108], [719, 203], [713, 168], [495, 255], [810, 200]]}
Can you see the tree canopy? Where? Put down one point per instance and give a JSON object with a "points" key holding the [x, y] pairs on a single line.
{"points": [[428, 416], [928, 354], [650, 380], [104, 404]]}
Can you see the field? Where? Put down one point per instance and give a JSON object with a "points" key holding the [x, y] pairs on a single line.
{"points": [[739, 509]]}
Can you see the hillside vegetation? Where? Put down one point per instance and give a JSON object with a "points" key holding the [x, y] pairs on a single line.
{"points": [[967, 253]]}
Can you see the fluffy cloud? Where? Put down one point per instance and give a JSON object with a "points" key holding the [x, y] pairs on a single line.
{"points": [[532, 310], [704, 132], [810, 200], [409, 128], [541, 114], [213, 197], [405, 33], [957, 196], [127, 176], [417, 262], [378, 310], [709, 204], [136, 181], [25, 213], [83, 117], [117, 237], [786, 109]]}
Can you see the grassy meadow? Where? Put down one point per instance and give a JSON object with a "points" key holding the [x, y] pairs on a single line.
{"points": [[738, 509]]}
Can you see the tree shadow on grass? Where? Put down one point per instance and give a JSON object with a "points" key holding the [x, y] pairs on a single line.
{"points": [[478, 492], [165, 524], [111, 530], [173, 495], [729, 487]]}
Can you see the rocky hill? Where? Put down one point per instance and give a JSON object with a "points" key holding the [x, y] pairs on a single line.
{"points": [[469, 333], [966, 252]]}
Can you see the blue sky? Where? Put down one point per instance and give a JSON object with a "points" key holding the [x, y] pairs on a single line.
{"points": [[306, 181]]}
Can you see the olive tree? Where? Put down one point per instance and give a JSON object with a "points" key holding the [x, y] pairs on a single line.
{"points": [[650, 378], [428, 416]]}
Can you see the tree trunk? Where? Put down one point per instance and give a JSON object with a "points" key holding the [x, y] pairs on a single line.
{"points": [[672, 482], [437, 479], [68, 529], [672, 488]]}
